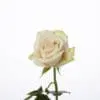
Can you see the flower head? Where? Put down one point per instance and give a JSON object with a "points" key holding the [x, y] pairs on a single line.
{"points": [[51, 49]]}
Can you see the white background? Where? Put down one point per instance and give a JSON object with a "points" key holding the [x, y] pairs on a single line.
{"points": [[19, 22]]}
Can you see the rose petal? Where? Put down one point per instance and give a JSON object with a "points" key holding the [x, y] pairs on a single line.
{"points": [[61, 34], [67, 57], [30, 57], [56, 50], [34, 57], [53, 60], [41, 35]]}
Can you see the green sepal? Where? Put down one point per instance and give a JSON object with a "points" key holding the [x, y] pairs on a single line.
{"points": [[45, 70], [58, 69]]}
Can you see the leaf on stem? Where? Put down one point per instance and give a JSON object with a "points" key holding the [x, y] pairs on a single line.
{"points": [[42, 97], [34, 93], [29, 97], [59, 92]]}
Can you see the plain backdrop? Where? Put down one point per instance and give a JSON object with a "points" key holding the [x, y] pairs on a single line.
{"points": [[20, 20]]}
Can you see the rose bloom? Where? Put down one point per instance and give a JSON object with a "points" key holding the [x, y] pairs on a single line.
{"points": [[51, 49]]}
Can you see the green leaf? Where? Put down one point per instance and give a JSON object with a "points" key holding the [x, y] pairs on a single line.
{"points": [[36, 92], [29, 97], [42, 97], [33, 93], [59, 92], [45, 70], [40, 90]]}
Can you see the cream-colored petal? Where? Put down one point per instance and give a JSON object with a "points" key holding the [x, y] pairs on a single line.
{"points": [[61, 34], [53, 60], [71, 52], [54, 52], [34, 55], [35, 58], [67, 57], [46, 56], [39, 63], [57, 48], [41, 35], [30, 57]]}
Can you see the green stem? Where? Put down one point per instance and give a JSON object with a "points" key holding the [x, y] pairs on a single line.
{"points": [[55, 83]]}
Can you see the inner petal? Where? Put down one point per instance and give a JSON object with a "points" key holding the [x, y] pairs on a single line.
{"points": [[47, 47]]}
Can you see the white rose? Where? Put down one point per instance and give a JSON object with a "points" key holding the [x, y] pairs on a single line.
{"points": [[51, 49]]}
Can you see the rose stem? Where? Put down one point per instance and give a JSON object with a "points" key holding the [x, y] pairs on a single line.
{"points": [[55, 83]]}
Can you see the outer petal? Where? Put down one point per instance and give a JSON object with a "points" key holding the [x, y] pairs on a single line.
{"points": [[67, 57], [35, 57], [40, 36], [70, 54], [31, 56], [61, 34]]}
